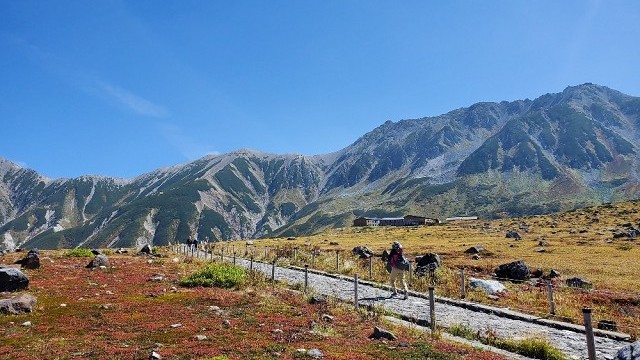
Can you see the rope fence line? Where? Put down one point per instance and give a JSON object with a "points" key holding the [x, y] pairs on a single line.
{"points": [[293, 255]]}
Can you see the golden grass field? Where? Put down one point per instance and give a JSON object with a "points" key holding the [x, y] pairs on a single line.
{"points": [[578, 243]]}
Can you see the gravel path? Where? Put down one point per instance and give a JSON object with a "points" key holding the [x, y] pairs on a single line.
{"points": [[416, 308]]}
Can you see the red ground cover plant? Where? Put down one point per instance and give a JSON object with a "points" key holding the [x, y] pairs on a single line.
{"points": [[121, 313]]}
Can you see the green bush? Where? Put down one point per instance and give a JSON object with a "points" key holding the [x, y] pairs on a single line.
{"points": [[533, 348], [216, 275], [79, 252]]}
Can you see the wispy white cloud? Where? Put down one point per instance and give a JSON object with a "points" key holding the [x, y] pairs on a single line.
{"points": [[134, 102]]}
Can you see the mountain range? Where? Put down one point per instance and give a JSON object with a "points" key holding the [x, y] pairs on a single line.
{"points": [[558, 152]]}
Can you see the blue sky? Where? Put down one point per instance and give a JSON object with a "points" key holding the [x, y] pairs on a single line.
{"points": [[119, 88]]}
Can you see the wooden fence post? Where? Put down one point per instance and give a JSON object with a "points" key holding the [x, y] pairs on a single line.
{"points": [[337, 261], [251, 264], [355, 291], [371, 268], [463, 290], [306, 277], [552, 304], [221, 254], [432, 309], [273, 273], [410, 274], [234, 257], [591, 345]]}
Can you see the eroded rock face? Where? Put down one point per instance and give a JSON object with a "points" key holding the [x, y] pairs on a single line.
{"points": [[12, 279], [21, 304]]}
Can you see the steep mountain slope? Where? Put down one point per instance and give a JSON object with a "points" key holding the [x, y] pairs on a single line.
{"points": [[557, 152]]}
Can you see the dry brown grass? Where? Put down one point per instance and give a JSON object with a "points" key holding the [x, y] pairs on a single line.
{"points": [[580, 244]]}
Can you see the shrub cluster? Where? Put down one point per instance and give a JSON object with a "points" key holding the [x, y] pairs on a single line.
{"points": [[216, 275], [79, 252]]}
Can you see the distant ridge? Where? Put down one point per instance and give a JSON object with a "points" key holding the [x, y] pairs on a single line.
{"points": [[557, 152]]}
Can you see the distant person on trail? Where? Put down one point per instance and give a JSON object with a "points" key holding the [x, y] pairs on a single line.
{"points": [[398, 264]]}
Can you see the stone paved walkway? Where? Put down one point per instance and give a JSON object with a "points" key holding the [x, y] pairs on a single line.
{"points": [[416, 308]]}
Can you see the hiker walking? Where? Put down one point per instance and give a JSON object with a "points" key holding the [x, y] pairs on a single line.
{"points": [[397, 264]]}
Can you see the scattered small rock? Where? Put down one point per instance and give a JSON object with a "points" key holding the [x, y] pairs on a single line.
{"points": [[578, 283], [201, 337], [379, 333], [146, 250], [315, 353], [226, 323], [326, 318], [277, 331], [98, 262], [608, 325], [155, 356], [475, 257], [26, 323], [157, 277], [31, 261], [475, 249], [334, 243], [362, 251], [318, 299], [513, 235], [174, 326], [554, 274]]}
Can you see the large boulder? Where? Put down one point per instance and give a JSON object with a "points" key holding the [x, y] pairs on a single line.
{"points": [[490, 286], [429, 259], [514, 271], [362, 251], [31, 261], [427, 263], [21, 304], [98, 261], [12, 279], [629, 352]]}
